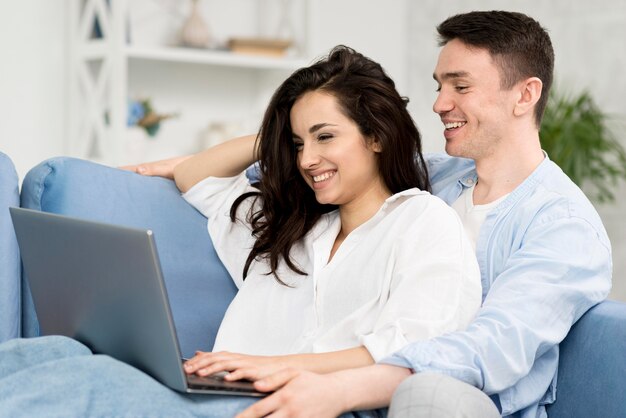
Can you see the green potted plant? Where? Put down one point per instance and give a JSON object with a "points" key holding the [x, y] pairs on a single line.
{"points": [[578, 137]]}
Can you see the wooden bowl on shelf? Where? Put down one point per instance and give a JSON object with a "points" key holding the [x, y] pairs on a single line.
{"points": [[259, 46]]}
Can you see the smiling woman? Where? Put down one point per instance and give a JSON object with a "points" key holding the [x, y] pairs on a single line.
{"points": [[339, 219]]}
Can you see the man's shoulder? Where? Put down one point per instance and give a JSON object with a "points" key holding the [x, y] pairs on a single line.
{"points": [[440, 164], [445, 171], [549, 194]]}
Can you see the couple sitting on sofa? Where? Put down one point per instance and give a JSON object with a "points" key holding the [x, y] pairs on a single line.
{"points": [[349, 261]]}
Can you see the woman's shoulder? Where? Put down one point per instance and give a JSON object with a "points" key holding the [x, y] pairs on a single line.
{"points": [[212, 195], [415, 199], [420, 209]]}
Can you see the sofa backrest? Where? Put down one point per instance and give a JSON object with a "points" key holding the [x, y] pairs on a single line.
{"points": [[9, 255], [198, 286], [592, 366]]}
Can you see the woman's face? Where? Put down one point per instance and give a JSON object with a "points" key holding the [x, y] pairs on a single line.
{"points": [[334, 158]]}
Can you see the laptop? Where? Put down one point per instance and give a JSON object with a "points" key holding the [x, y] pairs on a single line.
{"points": [[102, 285]]}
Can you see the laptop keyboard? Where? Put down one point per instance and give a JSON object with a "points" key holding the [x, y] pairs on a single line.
{"points": [[217, 382]]}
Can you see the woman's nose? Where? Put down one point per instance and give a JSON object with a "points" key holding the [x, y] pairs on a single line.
{"points": [[308, 156]]}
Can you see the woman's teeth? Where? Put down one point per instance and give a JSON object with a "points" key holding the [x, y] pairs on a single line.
{"points": [[323, 177]]}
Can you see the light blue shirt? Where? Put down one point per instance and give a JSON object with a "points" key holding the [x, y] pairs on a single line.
{"points": [[545, 259]]}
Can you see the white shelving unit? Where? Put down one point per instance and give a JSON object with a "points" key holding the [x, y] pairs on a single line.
{"points": [[208, 57], [99, 74]]}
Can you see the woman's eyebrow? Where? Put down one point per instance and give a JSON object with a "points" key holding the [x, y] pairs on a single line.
{"points": [[313, 129], [319, 126]]}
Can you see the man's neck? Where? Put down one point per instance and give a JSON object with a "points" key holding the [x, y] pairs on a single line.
{"points": [[501, 172]]}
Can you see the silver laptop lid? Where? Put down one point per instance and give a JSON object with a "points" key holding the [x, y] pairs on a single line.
{"points": [[102, 285]]}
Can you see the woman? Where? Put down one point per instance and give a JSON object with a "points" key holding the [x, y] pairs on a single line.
{"points": [[340, 254]]}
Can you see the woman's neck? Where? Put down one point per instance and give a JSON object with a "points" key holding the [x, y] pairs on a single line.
{"points": [[360, 210]]}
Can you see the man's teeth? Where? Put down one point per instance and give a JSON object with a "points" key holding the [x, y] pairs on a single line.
{"points": [[452, 125], [324, 176]]}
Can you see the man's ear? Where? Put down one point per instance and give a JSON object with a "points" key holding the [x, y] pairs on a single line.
{"points": [[530, 92]]}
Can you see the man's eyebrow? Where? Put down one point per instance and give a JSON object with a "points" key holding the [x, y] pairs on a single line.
{"points": [[453, 74]]}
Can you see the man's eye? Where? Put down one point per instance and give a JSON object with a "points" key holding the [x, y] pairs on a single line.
{"points": [[461, 88]]}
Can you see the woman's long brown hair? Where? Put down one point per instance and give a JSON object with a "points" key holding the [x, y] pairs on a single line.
{"points": [[288, 208]]}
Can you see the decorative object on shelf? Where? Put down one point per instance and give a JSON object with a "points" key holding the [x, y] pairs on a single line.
{"points": [[195, 32], [284, 29], [259, 46], [141, 113], [576, 134]]}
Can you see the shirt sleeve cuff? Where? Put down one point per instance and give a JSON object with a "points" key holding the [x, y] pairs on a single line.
{"points": [[416, 356]]}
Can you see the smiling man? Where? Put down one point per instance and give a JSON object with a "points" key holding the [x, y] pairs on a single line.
{"points": [[544, 255]]}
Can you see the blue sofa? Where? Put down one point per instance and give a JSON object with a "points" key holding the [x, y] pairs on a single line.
{"points": [[10, 303], [592, 372]]}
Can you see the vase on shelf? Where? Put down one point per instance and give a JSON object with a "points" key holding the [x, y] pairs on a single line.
{"points": [[195, 32]]}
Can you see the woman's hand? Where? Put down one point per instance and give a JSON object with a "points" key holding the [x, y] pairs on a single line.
{"points": [[299, 393], [239, 366], [162, 168], [242, 366]]}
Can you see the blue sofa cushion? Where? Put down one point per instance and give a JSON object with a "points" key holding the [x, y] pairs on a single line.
{"points": [[592, 366], [198, 285], [9, 255]]}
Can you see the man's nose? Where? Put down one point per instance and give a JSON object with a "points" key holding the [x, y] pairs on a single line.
{"points": [[443, 103]]}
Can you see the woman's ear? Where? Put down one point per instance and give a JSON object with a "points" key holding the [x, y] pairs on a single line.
{"points": [[530, 93], [375, 145]]}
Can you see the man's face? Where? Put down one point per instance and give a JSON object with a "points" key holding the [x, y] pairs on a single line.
{"points": [[476, 112]]}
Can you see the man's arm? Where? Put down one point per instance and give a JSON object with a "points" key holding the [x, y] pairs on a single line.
{"points": [[305, 394], [559, 271]]}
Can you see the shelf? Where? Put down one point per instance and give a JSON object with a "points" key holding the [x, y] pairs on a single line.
{"points": [[208, 57]]}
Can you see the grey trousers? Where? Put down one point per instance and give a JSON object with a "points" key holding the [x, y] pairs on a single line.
{"points": [[432, 395]]}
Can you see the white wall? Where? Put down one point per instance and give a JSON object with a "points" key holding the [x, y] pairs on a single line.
{"points": [[32, 80], [587, 36]]}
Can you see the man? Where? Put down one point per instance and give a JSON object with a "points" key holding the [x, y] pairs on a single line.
{"points": [[544, 255]]}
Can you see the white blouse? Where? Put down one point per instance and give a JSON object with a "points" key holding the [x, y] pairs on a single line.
{"points": [[408, 273]]}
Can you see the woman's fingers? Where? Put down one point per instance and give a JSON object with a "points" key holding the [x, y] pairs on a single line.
{"points": [[209, 363], [161, 168]]}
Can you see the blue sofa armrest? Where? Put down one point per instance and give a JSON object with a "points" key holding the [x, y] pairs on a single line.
{"points": [[198, 285], [592, 366], [9, 255]]}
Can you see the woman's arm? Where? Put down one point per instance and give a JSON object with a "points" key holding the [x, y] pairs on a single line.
{"points": [[243, 366], [223, 160]]}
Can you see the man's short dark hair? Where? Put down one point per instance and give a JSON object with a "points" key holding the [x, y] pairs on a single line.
{"points": [[518, 44]]}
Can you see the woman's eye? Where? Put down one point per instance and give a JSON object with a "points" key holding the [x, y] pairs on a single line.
{"points": [[298, 146], [324, 137]]}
